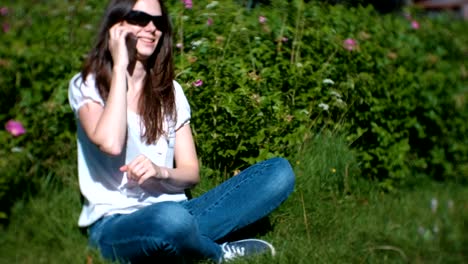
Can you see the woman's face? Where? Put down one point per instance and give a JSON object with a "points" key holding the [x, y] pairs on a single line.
{"points": [[147, 34]]}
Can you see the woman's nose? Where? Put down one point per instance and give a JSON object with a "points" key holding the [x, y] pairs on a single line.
{"points": [[150, 26]]}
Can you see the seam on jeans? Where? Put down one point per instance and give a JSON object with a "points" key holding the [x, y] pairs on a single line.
{"points": [[121, 242], [128, 240]]}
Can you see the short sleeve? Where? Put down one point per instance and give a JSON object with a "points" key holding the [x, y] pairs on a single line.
{"points": [[182, 106], [81, 92]]}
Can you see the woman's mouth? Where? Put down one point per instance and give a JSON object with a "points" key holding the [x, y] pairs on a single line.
{"points": [[147, 40]]}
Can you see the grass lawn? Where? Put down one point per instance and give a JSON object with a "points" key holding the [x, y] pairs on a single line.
{"points": [[331, 218]]}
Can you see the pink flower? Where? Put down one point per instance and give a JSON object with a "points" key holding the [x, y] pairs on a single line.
{"points": [[188, 4], [350, 44], [3, 11], [198, 83], [262, 19], [15, 128], [209, 22], [179, 45], [5, 27], [414, 24], [284, 39]]}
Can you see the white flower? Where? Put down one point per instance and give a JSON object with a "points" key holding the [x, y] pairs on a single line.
{"points": [[328, 81], [335, 94], [324, 106], [340, 102], [434, 204], [197, 43], [16, 149], [88, 27], [212, 4]]}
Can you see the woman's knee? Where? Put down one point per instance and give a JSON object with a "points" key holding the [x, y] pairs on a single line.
{"points": [[158, 229], [282, 179], [172, 220]]}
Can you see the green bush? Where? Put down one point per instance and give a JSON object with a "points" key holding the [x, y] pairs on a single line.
{"points": [[39, 53], [273, 78], [268, 86]]}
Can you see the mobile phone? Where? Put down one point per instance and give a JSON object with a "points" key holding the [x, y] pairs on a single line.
{"points": [[130, 41]]}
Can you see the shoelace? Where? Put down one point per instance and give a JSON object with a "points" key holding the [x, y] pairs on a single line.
{"points": [[232, 251]]}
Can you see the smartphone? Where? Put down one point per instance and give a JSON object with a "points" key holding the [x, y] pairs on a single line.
{"points": [[131, 41]]}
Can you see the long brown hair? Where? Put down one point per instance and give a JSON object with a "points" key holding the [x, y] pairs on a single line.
{"points": [[157, 100]]}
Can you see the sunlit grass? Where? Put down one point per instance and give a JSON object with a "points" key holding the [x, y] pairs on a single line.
{"points": [[322, 222]]}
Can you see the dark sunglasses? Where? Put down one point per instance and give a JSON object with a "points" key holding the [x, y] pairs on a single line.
{"points": [[142, 19]]}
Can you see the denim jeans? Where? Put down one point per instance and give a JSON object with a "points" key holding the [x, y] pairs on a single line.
{"points": [[191, 228]]}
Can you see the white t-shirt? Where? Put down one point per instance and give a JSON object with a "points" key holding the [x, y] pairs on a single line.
{"points": [[105, 188]]}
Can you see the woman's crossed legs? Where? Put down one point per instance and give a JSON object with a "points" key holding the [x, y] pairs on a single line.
{"points": [[191, 228]]}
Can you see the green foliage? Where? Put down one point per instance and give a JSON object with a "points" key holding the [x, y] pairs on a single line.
{"points": [[267, 87], [38, 56]]}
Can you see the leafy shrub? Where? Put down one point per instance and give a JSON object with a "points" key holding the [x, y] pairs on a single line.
{"points": [[268, 85], [38, 56]]}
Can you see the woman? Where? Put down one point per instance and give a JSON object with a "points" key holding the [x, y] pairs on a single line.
{"points": [[133, 123]]}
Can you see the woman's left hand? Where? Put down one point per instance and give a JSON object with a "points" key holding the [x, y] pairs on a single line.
{"points": [[142, 168]]}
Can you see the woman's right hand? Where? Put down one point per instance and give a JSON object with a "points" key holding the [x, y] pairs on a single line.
{"points": [[107, 126], [118, 46]]}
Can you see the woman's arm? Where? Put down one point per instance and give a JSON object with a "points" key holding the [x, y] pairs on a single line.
{"points": [[186, 173], [184, 176], [107, 126]]}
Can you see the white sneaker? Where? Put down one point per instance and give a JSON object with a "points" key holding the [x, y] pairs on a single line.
{"points": [[244, 248]]}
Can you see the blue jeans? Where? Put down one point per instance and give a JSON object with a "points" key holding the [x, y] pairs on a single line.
{"points": [[191, 228]]}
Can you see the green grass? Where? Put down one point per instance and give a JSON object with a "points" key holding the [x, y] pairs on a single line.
{"points": [[333, 216]]}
